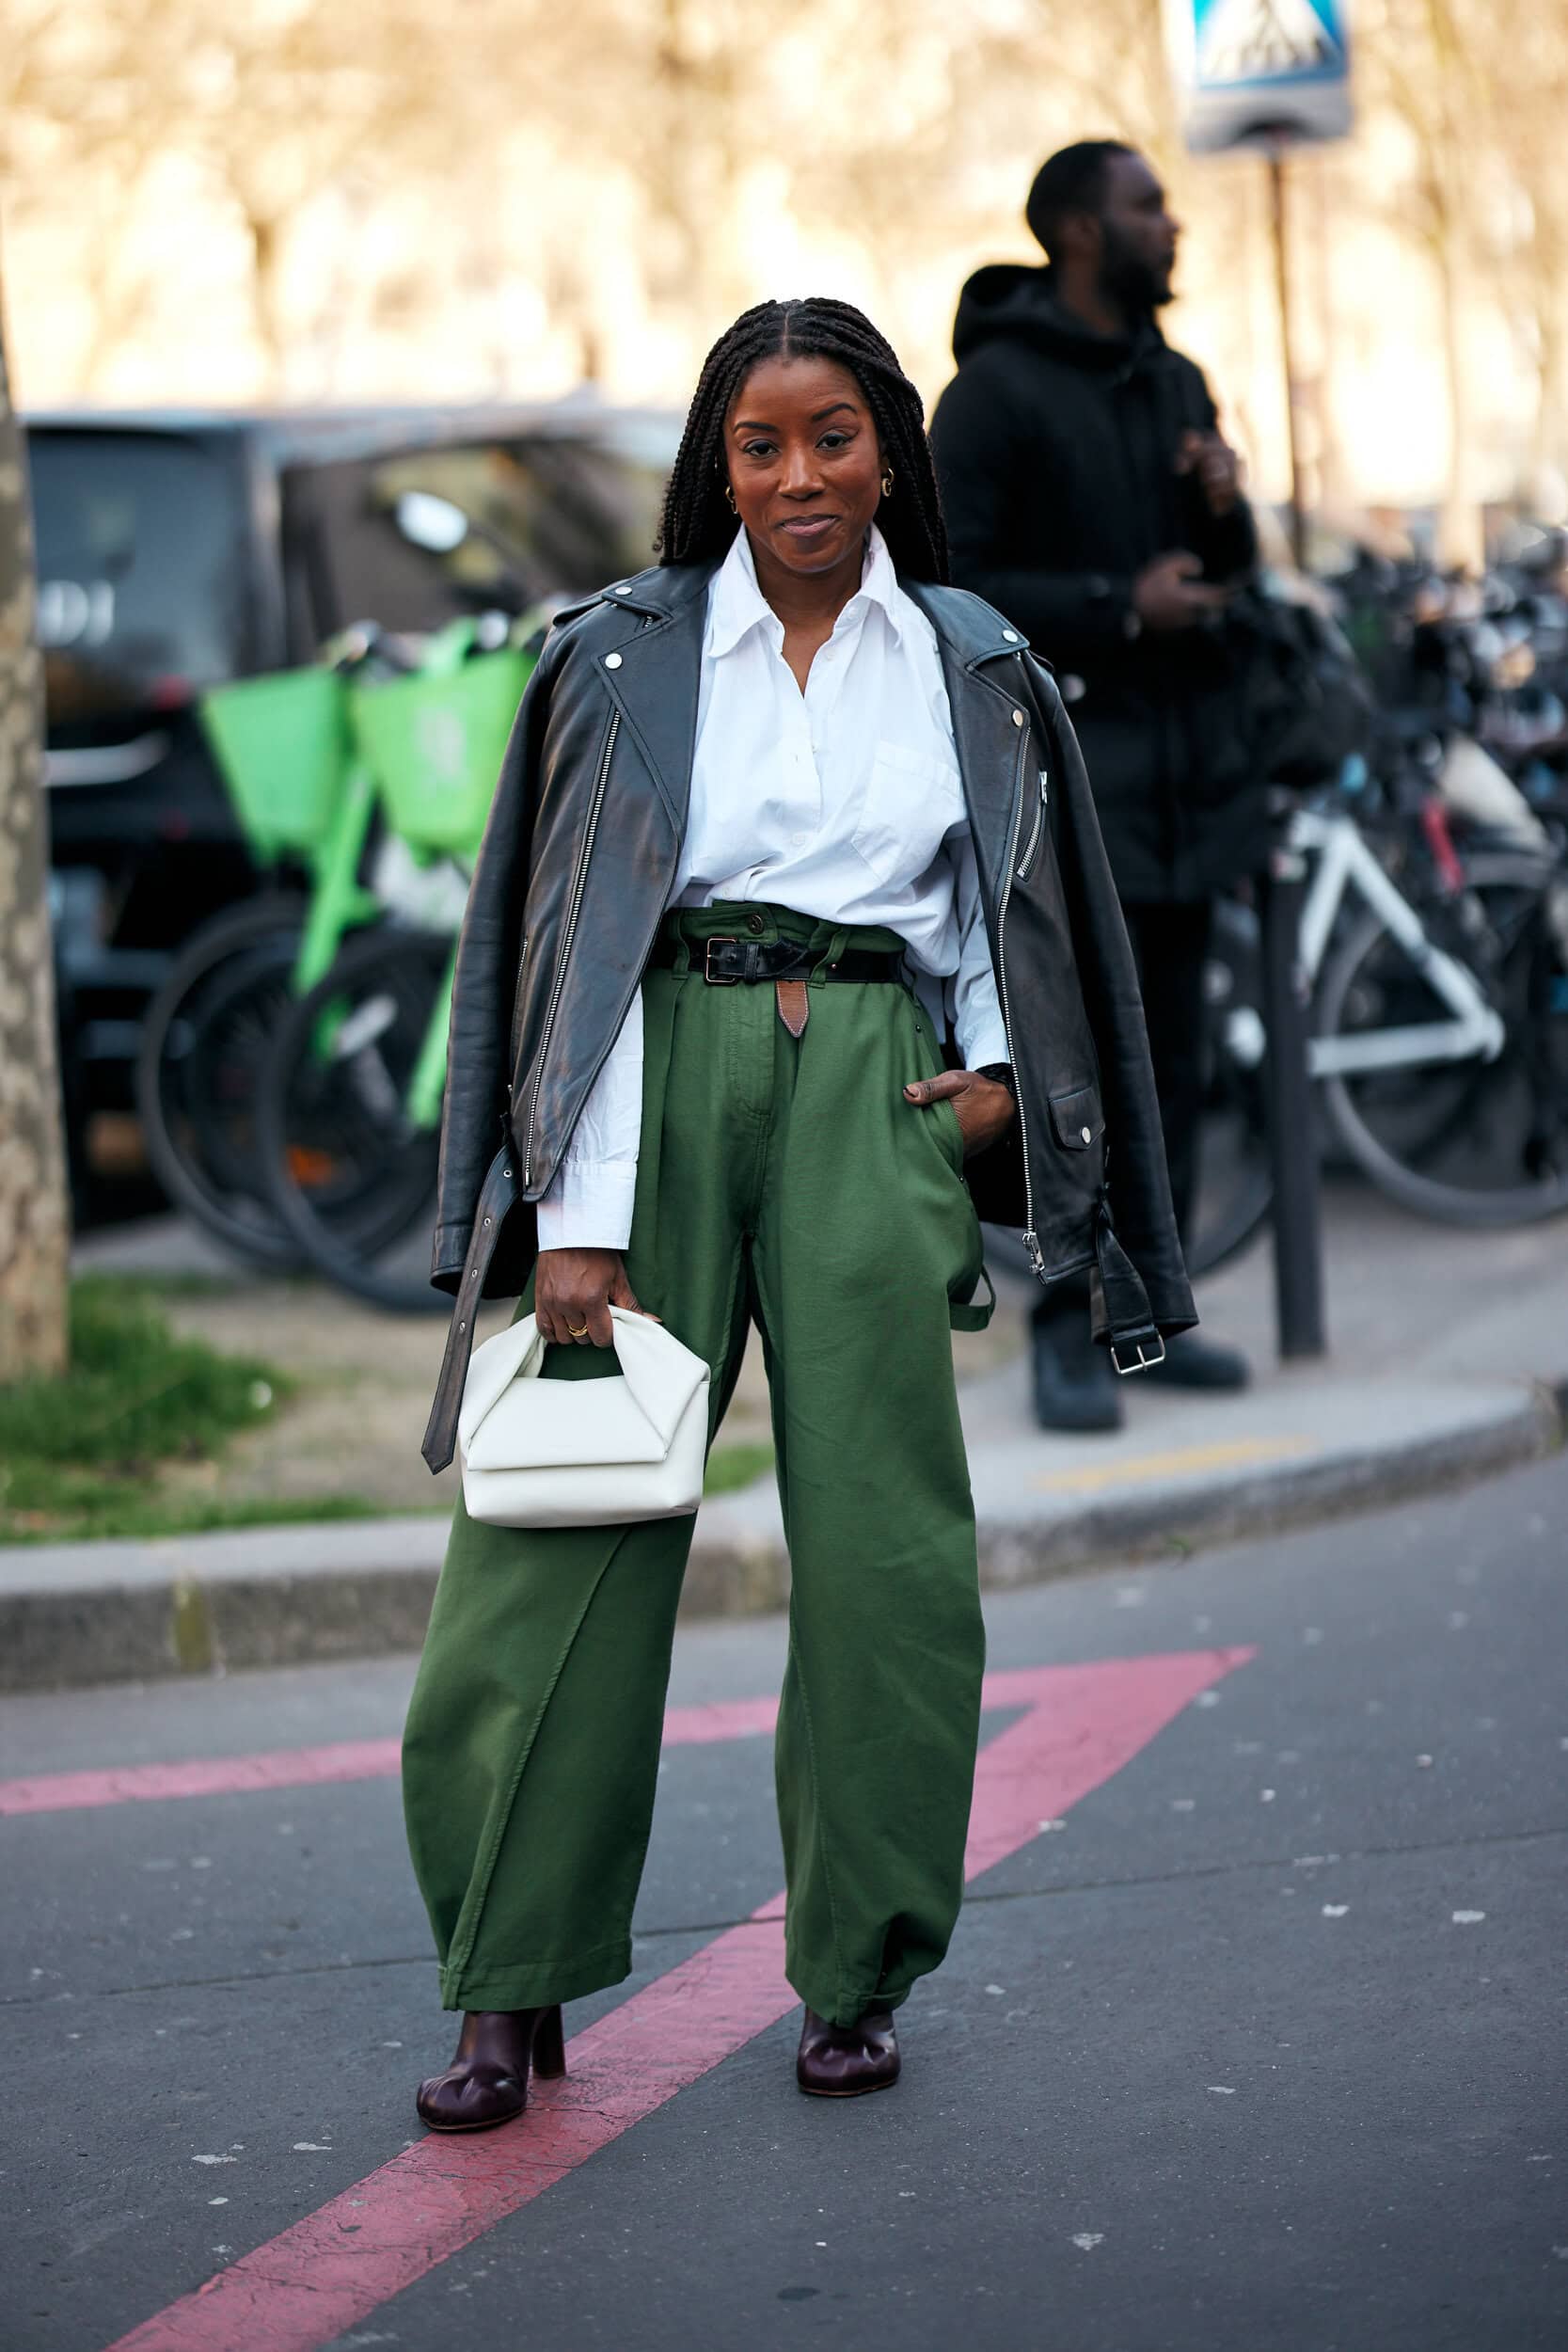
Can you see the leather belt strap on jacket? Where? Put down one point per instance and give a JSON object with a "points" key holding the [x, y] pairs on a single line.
{"points": [[496, 1196], [1119, 1302]]}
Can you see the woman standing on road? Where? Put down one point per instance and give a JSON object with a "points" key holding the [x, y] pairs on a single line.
{"points": [[779, 818]]}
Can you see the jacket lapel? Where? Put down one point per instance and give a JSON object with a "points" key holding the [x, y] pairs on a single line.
{"points": [[979, 662], [992, 747], [656, 672]]}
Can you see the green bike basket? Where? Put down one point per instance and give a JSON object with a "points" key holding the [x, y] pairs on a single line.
{"points": [[435, 746], [281, 743]]}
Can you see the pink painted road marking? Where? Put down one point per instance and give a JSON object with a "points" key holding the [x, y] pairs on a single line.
{"points": [[330, 2271], [203, 1776], [1083, 1724], [300, 1768], [364, 1759]]}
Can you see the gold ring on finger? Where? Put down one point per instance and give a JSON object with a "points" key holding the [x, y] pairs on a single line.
{"points": [[577, 1330]]}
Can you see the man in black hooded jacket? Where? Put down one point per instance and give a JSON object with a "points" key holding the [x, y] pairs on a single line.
{"points": [[1090, 498]]}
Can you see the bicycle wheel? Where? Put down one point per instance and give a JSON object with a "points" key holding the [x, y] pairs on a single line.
{"points": [[1468, 1143], [350, 1177], [1235, 1189], [204, 1036]]}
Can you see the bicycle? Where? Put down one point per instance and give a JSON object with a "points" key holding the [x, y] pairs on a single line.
{"points": [[349, 1096], [304, 756], [283, 747], [1439, 1032]]}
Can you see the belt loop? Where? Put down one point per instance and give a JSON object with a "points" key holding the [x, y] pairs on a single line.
{"points": [[835, 947], [682, 950]]}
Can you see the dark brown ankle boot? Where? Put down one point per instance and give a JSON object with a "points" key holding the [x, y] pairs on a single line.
{"points": [[841, 2061], [488, 2080]]}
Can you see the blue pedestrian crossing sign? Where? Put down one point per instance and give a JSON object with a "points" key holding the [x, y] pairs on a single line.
{"points": [[1256, 72]]}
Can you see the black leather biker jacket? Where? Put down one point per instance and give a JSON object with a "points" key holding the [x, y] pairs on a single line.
{"points": [[578, 861]]}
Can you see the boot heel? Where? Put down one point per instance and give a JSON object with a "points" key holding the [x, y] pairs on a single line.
{"points": [[549, 2044]]}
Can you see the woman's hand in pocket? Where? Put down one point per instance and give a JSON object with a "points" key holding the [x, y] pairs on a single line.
{"points": [[574, 1291], [984, 1108]]}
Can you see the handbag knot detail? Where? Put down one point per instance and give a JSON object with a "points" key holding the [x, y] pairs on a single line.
{"points": [[583, 1452]]}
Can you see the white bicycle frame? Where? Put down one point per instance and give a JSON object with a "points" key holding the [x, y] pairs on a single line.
{"points": [[1345, 863]]}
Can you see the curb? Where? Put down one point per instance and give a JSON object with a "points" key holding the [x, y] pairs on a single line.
{"points": [[78, 1615], [1270, 1502]]}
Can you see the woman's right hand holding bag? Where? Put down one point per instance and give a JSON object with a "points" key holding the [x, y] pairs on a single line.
{"points": [[573, 1292]]}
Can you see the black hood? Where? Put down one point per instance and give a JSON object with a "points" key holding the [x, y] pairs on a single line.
{"points": [[1007, 302]]}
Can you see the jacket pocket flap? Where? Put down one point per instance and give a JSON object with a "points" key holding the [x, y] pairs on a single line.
{"points": [[1076, 1117]]}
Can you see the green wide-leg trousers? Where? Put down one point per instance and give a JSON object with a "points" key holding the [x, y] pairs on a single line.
{"points": [[786, 1182]]}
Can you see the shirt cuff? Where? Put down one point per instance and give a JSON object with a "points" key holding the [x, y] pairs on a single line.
{"points": [[987, 1042], [588, 1205]]}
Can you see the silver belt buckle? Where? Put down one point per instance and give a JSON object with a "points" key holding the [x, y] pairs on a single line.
{"points": [[1144, 1362], [717, 980]]}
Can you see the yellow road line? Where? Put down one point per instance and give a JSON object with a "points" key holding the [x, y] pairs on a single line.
{"points": [[1095, 1477]]}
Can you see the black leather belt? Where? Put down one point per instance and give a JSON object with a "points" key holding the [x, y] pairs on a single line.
{"points": [[728, 962]]}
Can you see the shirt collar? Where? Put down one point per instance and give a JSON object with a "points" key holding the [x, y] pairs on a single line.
{"points": [[738, 604], [880, 580]]}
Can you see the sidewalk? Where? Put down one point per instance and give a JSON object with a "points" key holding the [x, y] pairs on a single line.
{"points": [[1450, 1360]]}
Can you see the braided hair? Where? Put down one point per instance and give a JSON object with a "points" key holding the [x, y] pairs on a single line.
{"points": [[698, 523]]}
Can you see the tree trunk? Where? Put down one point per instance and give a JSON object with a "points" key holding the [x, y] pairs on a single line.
{"points": [[1549, 436], [267, 274], [1461, 526], [34, 1238]]}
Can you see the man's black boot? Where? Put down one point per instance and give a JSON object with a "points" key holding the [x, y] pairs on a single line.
{"points": [[1075, 1387]]}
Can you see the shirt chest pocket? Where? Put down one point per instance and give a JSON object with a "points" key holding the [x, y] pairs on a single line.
{"points": [[910, 801]]}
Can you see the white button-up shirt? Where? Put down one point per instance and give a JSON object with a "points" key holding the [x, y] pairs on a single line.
{"points": [[843, 804]]}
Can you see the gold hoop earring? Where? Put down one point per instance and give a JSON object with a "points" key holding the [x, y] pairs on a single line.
{"points": [[887, 484], [729, 494]]}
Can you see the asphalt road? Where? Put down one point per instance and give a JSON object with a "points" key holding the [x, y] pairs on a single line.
{"points": [[1258, 2048]]}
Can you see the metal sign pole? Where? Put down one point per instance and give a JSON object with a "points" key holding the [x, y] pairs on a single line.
{"points": [[1268, 75], [1282, 288], [1298, 1259]]}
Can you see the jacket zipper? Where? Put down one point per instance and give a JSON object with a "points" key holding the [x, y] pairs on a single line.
{"points": [[579, 881], [1028, 858], [1031, 1240], [514, 1034]]}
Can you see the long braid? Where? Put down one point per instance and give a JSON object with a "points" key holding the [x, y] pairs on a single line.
{"points": [[698, 523]]}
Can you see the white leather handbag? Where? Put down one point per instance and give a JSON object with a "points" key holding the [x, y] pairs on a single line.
{"points": [[583, 1452]]}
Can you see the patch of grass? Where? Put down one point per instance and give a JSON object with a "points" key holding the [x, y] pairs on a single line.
{"points": [[732, 1466], [175, 1285], [81, 1455]]}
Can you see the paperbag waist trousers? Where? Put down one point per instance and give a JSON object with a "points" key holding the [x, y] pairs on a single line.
{"points": [[785, 1181]]}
